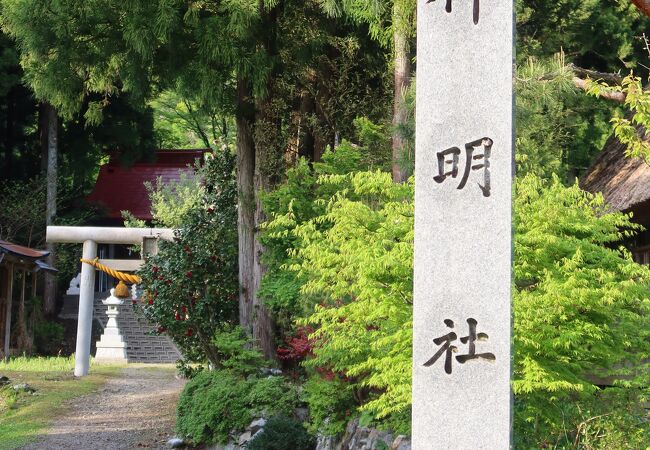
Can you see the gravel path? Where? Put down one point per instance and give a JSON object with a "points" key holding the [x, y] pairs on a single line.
{"points": [[132, 411]]}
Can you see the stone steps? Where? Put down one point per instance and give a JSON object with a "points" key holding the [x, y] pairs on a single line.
{"points": [[142, 344]]}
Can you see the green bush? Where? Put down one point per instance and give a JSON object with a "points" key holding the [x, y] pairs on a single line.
{"points": [[582, 313], [331, 403], [215, 403], [581, 306], [282, 433], [48, 337], [191, 287]]}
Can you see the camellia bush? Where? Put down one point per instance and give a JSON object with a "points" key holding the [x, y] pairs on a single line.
{"points": [[190, 286]]}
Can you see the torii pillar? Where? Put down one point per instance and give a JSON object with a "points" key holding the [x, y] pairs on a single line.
{"points": [[85, 318], [90, 237]]}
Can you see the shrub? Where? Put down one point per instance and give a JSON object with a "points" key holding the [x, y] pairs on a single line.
{"points": [[48, 337], [331, 403], [581, 305], [191, 287], [359, 270], [215, 403], [281, 433], [582, 313]]}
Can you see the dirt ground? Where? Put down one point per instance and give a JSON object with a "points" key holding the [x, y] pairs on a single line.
{"points": [[134, 410]]}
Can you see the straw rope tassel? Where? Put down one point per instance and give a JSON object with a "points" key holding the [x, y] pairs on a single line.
{"points": [[121, 290]]}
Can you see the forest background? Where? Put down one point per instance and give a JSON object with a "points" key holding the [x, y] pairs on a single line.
{"points": [[314, 103]]}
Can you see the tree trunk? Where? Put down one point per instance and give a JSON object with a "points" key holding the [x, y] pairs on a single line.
{"points": [[49, 293], [402, 74], [245, 204], [262, 323], [42, 133], [253, 315]]}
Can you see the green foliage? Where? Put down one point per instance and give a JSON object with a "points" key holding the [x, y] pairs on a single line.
{"points": [[191, 284], [182, 123], [359, 272], [581, 304], [340, 253], [172, 202], [215, 403], [299, 199], [22, 215], [375, 142], [559, 129], [234, 351], [598, 34], [281, 433], [331, 402], [48, 337], [631, 129], [8, 398], [383, 18], [582, 311]]}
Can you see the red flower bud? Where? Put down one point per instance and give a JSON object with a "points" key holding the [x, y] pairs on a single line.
{"points": [[150, 302], [135, 302], [189, 274], [177, 316], [213, 258], [154, 269], [189, 332], [183, 309], [162, 329]]}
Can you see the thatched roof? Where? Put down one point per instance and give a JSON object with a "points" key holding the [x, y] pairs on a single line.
{"points": [[623, 181]]}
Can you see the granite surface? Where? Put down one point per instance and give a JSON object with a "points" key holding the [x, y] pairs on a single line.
{"points": [[463, 225]]}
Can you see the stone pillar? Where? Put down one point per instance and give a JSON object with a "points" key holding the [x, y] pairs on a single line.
{"points": [[85, 319], [111, 347], [463, 225]]}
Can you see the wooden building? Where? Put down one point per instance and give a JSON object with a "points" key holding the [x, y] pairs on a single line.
{"points": [[625, 185], [18, 264], [120, 188]]}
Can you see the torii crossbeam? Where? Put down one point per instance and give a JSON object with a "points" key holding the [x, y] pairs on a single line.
{"points": [[90, 237]]}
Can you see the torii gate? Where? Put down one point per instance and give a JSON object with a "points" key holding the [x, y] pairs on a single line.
{"points": [[90, 237]]}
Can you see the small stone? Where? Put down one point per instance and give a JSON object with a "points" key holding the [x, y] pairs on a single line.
{"points": [[257, 425], [176, 442], [245, 437], [302, 414], [401, 442], [23, 387]]}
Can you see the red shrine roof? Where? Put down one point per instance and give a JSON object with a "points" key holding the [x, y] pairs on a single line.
{"points": [[121, 188]]}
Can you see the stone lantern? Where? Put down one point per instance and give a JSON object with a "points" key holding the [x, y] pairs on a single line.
{"points": [[111, 347]]}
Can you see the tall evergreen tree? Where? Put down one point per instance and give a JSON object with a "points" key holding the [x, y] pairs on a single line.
{"points": [[392, 24], [84, 55]]}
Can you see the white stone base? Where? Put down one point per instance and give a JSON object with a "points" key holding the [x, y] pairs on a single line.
{"points": [[111, 354]]}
